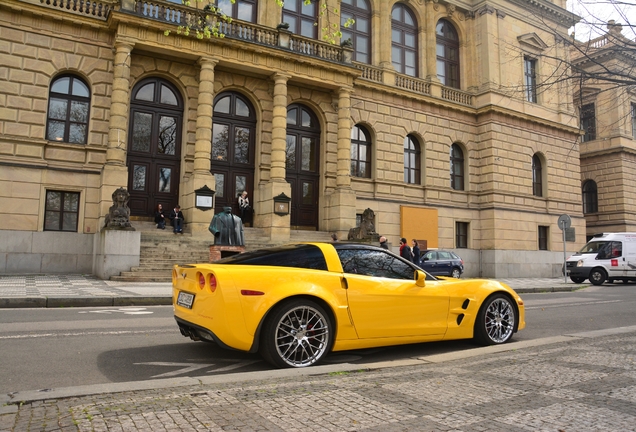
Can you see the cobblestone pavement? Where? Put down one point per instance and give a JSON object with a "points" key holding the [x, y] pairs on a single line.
{"points": [[584, 382]]}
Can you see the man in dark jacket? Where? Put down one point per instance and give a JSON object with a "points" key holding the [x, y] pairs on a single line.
{"points": [[176, 216], [383, 243], [405, 250]]}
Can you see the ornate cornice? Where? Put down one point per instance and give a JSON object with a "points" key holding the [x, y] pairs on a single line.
{"points": [[544, 8]]}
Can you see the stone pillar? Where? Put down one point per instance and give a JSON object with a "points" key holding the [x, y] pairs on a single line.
{"points": [[431, 41], [341, 204], [489, 48], [199, 220], [115, 172], [277, 226]]}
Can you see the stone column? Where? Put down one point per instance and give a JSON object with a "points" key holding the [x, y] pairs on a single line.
{"points": [[431, 41], [489, 48], [199, 220], [115, 173]]}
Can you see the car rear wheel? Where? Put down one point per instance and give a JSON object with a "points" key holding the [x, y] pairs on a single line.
{"points": [[577, 279], [496, 321], [597, 276], [297, 334], [456, 273]]}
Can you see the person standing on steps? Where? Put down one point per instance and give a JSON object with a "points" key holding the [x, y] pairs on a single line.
{"points": [[176, 216]]}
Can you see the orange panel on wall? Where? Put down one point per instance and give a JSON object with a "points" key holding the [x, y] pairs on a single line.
{"points": [[419, 223]]}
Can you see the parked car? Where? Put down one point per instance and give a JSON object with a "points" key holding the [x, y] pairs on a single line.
{"points": [[442, 263], [294, 304]]}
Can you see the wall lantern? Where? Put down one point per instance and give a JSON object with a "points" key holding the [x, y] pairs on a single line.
{"points": [[281, 204], [204, 198]]}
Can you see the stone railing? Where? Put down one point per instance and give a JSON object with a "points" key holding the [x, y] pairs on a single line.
{"points": [[370, 73], [93, 9], [458, 96], [413, 84]]}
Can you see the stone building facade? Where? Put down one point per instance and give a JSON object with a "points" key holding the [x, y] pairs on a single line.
{"points": [[440, 128], [607, 109]]}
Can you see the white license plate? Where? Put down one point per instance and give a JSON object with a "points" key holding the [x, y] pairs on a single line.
{"points": [[185, 299]]}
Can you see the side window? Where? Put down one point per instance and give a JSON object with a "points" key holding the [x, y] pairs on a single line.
{"points": [[69, 101], [613, 249], [374, 263], [61, 212], [430, 256], [444, 255]]}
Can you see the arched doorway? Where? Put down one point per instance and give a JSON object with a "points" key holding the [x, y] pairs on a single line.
{"points": [[233, 144], [302, 165], [154, 146]]}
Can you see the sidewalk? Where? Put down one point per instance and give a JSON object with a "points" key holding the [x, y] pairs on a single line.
{"points": [[30, 291], [578, 382]]}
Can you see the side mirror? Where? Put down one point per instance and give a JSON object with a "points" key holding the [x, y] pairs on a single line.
{"points": [[420, 278]]}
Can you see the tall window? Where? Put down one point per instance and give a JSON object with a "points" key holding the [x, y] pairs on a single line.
{"points": [[634, 120], [588, 122], [543, 238], [537, 181], [61, 211], [447, 54], [457, 167], [69, 102], [590, 197], [301, 17], [360, 152], [411, 160], [403, 40], [461, 235], [360, 31], [243, 10], [530, 76]]}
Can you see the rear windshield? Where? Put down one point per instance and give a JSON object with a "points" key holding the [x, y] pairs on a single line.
{"points": [[592, 247], [299, 256]]}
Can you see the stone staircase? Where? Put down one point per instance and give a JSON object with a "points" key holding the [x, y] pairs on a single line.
{"points": [[160, 250]]}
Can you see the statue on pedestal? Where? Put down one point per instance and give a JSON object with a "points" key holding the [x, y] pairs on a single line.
{"points": [[366, 230], [118, 217], [227, 228]]}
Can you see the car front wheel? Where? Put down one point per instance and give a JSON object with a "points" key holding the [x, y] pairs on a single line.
{"points": [[597, 276], [297, 334], [496, 321], [456, 273]]}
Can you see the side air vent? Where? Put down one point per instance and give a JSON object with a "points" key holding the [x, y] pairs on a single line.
{"points": [[460, 318], [465, 304]]}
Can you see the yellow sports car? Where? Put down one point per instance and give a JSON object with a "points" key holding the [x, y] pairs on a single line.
{"points": [[294, 304]]}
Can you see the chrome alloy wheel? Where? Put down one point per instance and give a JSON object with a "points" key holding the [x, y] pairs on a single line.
{"points": [[499, 320], [302, 336]]}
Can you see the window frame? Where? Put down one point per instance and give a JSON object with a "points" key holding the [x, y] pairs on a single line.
{"points": [[633, 105], [448, 41], [61, 212], [530, 78], [537, 176], [457, 161], [233, 13], [462, 230], [70, 99], [543, 234], [587, 116], [412, 174], [590, 197], [353, 32], [300, 17], [404, 29], [360, 144]]}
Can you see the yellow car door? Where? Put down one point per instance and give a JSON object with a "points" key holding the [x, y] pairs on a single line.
{"points": [[384, 300]]}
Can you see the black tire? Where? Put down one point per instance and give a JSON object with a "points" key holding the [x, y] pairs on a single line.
{"points": [[298, 333], [456, 273], [577, 279], [496, 321], [597, 276]]}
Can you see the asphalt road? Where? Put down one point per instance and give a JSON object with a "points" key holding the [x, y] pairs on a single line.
{"points": [[51, 348]]}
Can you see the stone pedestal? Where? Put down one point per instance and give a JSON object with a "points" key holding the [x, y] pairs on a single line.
{"points": [[217, 252], [115, 251]]}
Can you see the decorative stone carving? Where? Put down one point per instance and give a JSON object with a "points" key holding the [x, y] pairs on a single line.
{"points": [[118, 217], [366, 230]]}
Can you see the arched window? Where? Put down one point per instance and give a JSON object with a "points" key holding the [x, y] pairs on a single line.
{"points": [[360, 31], [233, 148], [301, 17], [243, 10], [537, 180], [69, 103], [403, 40], [411, 160], [360, 152], [590, 197], [447, 54], [457, 167]]}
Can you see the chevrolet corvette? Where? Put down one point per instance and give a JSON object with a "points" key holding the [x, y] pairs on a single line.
{"points": [[294, 304]]}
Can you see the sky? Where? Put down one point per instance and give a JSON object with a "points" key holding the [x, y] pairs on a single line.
{"points": [[595, 14]]}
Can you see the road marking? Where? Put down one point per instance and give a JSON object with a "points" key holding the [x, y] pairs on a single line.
{"points": [[185, 368], [575, 304], [125, 311], [235, 366], [110, 333]]}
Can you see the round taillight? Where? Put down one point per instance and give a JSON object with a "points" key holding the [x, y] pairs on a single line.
{"points": [[201, 281], [212, 283]]}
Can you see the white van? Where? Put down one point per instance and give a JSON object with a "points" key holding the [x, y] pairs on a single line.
{"points": [[606, 257]]}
